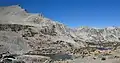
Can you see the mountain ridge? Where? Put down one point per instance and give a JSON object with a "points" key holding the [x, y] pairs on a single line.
{"points": [[43, 36]]}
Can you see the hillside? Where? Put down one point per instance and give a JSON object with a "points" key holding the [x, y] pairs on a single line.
{"points": [[31, 36]]}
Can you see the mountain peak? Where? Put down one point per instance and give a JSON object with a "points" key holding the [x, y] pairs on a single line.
{"points": [[11, 9], [19, 6], [12, 13]]}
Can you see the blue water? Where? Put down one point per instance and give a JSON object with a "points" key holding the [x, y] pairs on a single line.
{"points": [[104, 48]]}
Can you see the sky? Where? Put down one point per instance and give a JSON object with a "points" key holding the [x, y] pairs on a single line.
{"points": [[74, 13]]}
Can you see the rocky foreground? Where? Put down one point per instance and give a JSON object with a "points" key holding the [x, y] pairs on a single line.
{"points": [[32, 38]]}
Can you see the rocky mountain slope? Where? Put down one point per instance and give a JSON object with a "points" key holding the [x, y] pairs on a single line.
{"points": [[29, 34]]}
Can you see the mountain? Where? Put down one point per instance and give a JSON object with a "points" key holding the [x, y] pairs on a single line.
{"points": [[29, 34]]}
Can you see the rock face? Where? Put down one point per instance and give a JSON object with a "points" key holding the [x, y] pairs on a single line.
{"points": [[33, 34], [109, 34]]}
